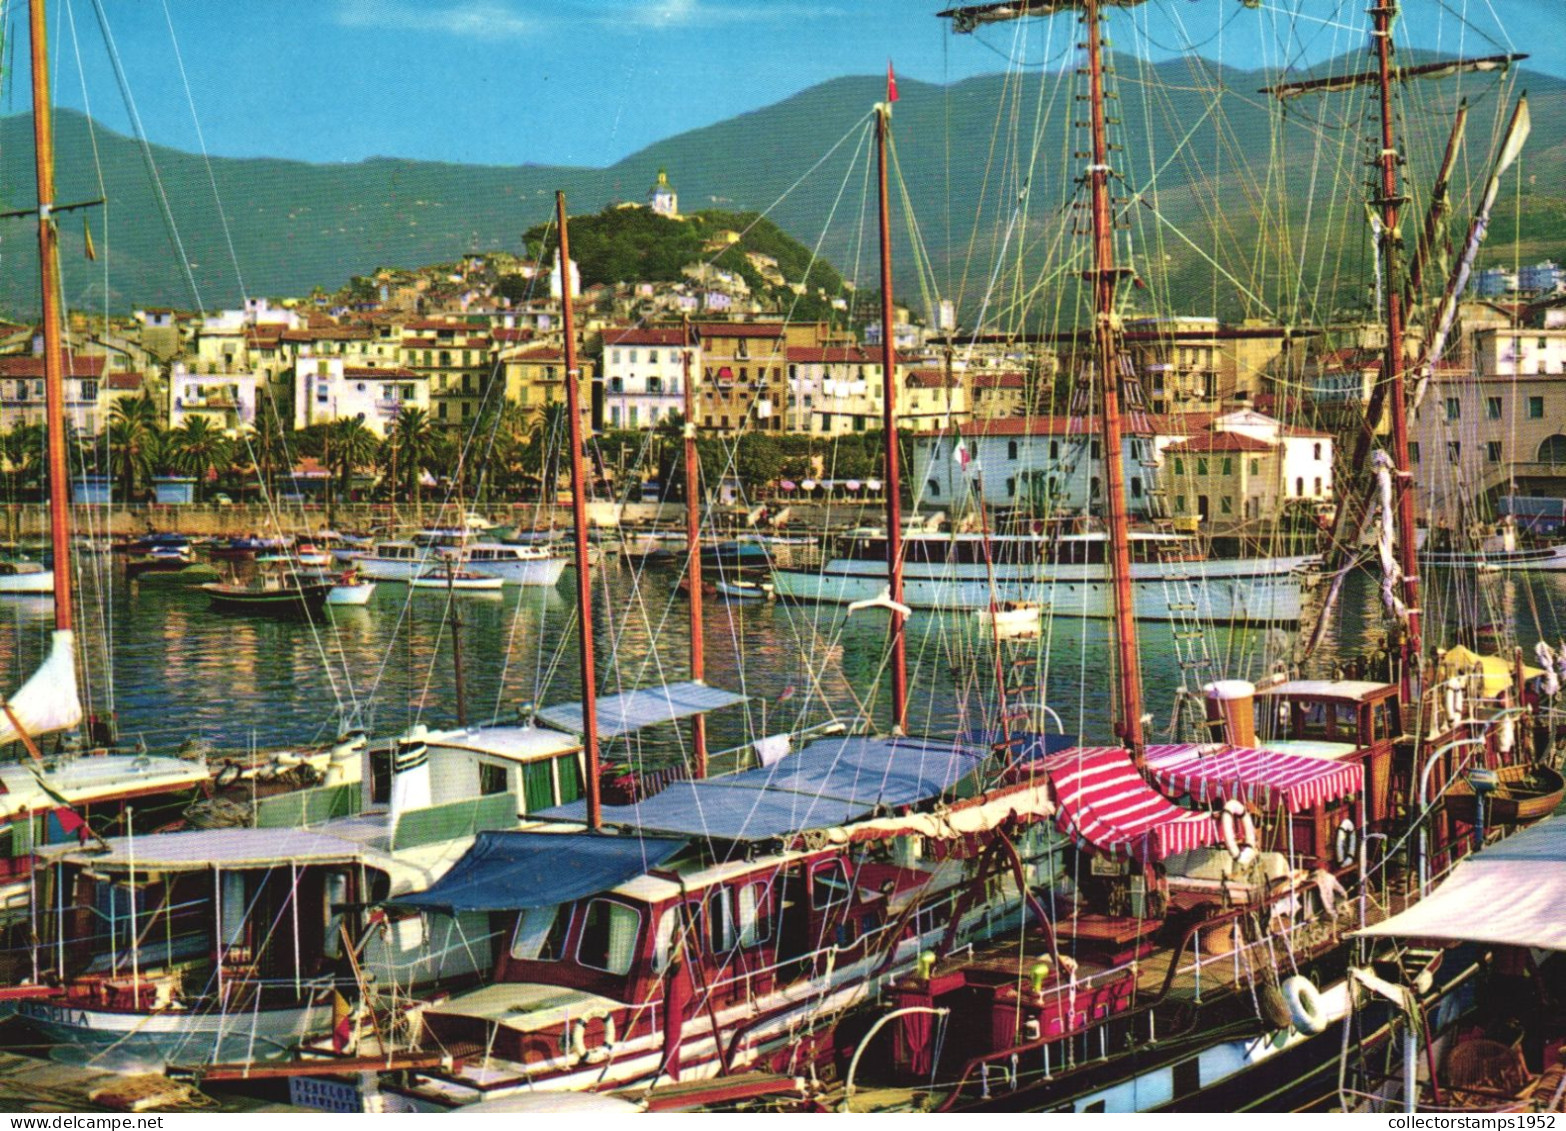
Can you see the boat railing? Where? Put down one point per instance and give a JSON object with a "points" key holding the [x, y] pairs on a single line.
{"points": [[1182, 973]]}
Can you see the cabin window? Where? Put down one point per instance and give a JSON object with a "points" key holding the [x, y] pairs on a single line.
{"points": [[754, 921], [1346, 721], [720, 921], [541, 933], [1380, 721], [829, 885], [1313, 720], [492, 779], [608, 936], [663, 942]]}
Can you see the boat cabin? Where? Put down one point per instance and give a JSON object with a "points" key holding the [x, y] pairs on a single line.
{"points": [[1338, 719]]}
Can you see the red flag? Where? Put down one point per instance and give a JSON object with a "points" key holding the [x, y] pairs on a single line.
{"points": [[891, 84], [71, 822]]}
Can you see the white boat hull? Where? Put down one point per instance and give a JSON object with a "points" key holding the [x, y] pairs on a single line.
{"points": [[1222, 591], [1547, 559], [178, 1037], [359, 594], [28, 584], [534, 571]]}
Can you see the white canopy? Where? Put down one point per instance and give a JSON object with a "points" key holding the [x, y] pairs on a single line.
{"points": [[49, 701], [1510, 894], [632, 710]]}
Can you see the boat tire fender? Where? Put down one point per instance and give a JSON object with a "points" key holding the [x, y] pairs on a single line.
{"points": [[1239, 831], [1346, 843], [1304, 1002]]}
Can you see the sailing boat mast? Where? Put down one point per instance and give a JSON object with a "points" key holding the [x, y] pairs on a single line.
{"points": [[1393, 365], [1105, 278], [894, 503], [584, 580], [693, 548], [54, 353]]}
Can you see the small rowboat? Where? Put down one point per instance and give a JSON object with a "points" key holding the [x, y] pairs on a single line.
{"points": [[1522, 794], [741, 589], [460, 581], [1010, 618], [351, 589]]}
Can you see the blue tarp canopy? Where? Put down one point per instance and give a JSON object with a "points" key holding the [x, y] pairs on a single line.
{"points": [[829, 782], [512, 871]]}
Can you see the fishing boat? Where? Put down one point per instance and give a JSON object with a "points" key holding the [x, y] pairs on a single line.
{"points": [[25, 577], [278, 592]]}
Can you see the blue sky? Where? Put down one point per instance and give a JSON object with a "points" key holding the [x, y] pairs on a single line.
{"points": [[587, 82]]}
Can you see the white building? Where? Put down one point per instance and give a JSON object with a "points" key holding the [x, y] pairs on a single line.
{"points": [[325, 389], [1521, 352], [644, 375], [228, 400], [1230, 469]]}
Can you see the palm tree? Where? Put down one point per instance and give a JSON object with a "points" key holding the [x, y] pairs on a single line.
{"points": [[135, 441], [198, 447], [350, 445], [24, 451], [409, 447]]}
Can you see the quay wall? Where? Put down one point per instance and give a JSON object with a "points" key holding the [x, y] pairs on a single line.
{"points": [[30, 521]]}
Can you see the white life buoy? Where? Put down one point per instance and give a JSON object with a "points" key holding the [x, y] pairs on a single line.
{"points": [[1346, 843], [1239, 831], [578, 1035], [1304, 1002]]}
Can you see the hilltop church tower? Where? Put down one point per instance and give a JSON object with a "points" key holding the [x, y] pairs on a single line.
{"points": [[662, 198]]}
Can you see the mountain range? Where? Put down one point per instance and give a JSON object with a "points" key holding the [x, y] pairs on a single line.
{"points": [[1234, 206]]}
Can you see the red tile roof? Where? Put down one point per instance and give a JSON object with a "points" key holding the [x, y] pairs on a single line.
{"points": [[123, 382], [644, 336], [930, 379], [832, 355], [1209, 442], [22, 365], [740, 329], [999, 381]]}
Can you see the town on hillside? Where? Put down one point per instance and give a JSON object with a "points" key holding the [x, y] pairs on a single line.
{"points": [[405, 380]]}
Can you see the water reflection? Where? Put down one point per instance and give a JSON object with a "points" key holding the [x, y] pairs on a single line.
{"points": [[182, 671]]}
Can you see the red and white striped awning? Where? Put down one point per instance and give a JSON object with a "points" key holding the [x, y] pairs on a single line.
{"points": [[1270, 779], [1101, 799]]}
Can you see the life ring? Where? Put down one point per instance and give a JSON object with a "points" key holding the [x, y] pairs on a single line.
{"points": [[1239, 831], [578, 1035], [1304, 1002], [1346, 843], [228, 775]]}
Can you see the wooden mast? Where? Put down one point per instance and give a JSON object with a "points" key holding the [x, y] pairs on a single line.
{"points": [[54, 353], [1105, 278], [1393, 365], [584, 581], [693, 548], [894, 502]]}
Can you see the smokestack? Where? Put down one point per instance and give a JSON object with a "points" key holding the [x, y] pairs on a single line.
{"points": [[1231, 710]]}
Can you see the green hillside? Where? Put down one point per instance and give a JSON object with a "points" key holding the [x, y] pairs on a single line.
{"points": [[1235, 208]]}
